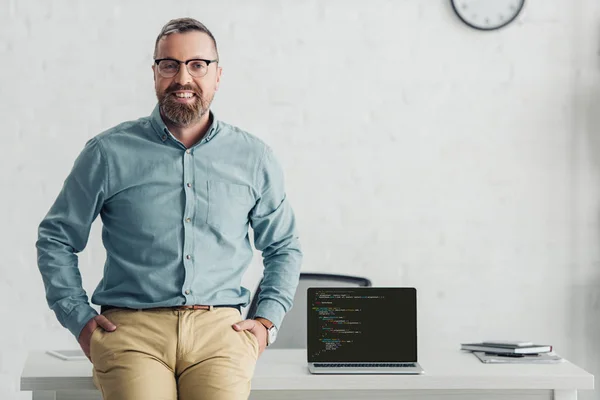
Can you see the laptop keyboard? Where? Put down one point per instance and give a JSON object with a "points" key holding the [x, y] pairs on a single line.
{"points": [[366, 365]]}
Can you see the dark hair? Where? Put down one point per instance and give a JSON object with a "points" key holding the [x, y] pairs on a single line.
{"points": [[181, 25]]}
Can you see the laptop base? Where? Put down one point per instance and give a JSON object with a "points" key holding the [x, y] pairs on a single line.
{"points": [[365, 370]]}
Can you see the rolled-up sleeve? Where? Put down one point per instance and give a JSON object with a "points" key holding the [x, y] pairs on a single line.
{"points": [[64, 232], [275, 235]]}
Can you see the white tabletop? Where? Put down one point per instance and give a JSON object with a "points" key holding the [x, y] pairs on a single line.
{"points": [[287, 370]]}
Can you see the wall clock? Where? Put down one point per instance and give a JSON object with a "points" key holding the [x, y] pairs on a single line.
{"points": [[487, 15]]}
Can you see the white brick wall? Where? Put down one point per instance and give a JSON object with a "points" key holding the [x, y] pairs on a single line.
{"points": [[417, 151]]}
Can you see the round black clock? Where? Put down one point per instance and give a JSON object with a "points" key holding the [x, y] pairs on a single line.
{"points": [[487, 15]]}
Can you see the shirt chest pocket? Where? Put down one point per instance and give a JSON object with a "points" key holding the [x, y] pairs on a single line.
{"points": [[228, 207]]}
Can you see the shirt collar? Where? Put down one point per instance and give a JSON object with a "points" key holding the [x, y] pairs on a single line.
{"points": [[163, 133]]}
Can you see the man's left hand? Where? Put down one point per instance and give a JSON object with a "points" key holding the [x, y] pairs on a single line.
{"points": [[257, 329]]}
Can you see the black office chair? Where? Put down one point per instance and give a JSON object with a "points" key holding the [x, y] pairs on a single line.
{"points": [[292, 332]]}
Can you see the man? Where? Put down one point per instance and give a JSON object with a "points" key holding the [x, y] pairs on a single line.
{"points": [[176, 192]]}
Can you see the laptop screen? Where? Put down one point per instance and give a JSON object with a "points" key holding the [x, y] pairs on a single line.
{"points": [[362, 324]]}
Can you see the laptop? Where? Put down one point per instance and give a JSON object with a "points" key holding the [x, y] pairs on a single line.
{"points": [[362, 330]]}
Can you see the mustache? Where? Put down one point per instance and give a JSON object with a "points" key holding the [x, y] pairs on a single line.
{"points": [[172, 89]]}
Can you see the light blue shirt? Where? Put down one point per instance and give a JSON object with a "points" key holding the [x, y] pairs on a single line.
{"points": [[175, 223]]}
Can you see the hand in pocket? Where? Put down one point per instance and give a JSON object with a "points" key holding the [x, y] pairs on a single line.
{"points": [[98, 322]]}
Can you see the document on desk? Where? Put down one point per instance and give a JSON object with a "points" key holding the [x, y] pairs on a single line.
{"points": [[542, 358], [68, 355]]}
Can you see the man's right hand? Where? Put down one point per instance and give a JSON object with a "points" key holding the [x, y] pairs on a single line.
{"points": [[100, 322]]}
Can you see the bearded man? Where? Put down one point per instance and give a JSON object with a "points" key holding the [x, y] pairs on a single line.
{"points": [[177, 192]]}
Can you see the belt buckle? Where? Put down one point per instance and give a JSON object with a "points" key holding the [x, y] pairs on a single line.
{"points": [[199, 307]]}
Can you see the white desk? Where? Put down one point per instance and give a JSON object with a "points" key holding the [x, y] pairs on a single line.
{"points": [[282, 374]]}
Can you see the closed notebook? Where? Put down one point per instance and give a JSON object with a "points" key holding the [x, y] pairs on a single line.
{"points": [[507, 343], [534, 349]]}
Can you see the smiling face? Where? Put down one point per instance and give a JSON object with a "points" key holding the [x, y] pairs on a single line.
{"points": [[183, 98]]}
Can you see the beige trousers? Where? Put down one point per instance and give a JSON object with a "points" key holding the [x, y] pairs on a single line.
{"points": [[167, 354]]}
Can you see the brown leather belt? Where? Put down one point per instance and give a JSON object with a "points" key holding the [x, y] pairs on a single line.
{"points": [[185, 307]]}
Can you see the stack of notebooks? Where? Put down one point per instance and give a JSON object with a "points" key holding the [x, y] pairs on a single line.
{"points": [[512, 352]]}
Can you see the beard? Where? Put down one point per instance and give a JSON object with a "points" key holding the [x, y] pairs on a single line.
{"points": [[183, 114]]}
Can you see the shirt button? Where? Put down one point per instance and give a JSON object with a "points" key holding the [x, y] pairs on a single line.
{"points": [[189, 184], [187, 292], [188, 151], [188, 256], [188, 220], [164, 137]]}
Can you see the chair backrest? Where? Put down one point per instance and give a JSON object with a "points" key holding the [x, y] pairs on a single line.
{"points": [[292, 332]]}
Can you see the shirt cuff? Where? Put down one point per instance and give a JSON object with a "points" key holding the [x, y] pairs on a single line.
{"points": [[271, 310], [78, 318]]}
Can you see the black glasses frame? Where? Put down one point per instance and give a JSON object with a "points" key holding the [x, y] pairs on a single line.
{"points": [[208, 62]]}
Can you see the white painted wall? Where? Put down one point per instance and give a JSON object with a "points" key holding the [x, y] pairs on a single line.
{"points": [[418, 152]]}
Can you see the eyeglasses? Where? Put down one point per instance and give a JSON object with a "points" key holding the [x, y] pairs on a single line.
{"points": [[169, 67]]}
